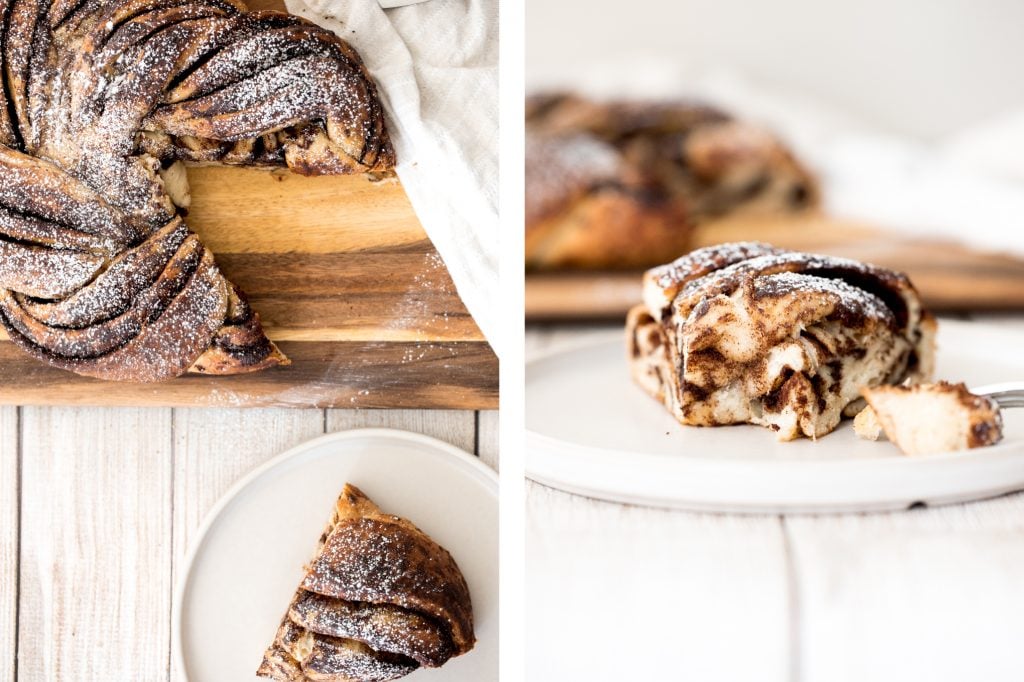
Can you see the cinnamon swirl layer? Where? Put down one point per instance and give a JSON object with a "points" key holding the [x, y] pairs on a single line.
{"points": [[101, 101], [745, 332], [379, 600]]}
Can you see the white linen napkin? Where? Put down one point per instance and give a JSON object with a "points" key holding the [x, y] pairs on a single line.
{"points": [[967, 187], [436, 66]]}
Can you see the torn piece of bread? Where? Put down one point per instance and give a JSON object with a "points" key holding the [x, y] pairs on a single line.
{"points": [[929, 418], [866, 424]]}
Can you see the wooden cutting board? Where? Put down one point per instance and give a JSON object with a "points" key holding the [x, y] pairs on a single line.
{"points": [[950, 277], [346, 282]]}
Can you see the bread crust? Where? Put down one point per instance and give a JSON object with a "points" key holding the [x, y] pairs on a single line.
{"points": [[103, 102], [621, 184], [929, 418], [745, 332], [378, 600]]}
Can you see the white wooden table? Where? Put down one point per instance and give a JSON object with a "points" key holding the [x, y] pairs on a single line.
{"points": [[97, 509], [619, 592]]}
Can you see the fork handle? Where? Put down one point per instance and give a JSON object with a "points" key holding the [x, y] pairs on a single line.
{"points": [[1006, 394]]}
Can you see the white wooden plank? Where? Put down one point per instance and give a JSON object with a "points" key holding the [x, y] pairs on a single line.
{"points": [[487, 437], [457, 427], [543, 338], [1009, 322], [96, 545], [925, 594], [215, 448], [616, 592], [8, 540], [623, 592]]}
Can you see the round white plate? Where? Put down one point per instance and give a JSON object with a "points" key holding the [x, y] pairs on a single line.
{"points": [[592, 431], [248, 559]]}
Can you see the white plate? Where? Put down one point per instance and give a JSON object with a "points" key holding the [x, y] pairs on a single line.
{"points": [[247, 561], [591, 431]]}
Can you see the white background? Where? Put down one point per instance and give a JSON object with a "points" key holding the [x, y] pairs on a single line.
{"points": [[924, 130], [923, 68]]}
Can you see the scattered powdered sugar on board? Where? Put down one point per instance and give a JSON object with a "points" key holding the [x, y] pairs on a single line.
{"points": [[416, 311]]}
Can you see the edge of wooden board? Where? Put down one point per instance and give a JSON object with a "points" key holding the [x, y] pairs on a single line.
{"points": [[333, 374], [949, 276]]}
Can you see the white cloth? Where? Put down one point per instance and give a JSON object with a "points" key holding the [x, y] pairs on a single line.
{"points": [[436, 66], [967, 187]]}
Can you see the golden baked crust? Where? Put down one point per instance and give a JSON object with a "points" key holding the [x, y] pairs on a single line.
{"points": [[379, 599], [574, 184], [620, 184], [745, 332], [102, 103]]}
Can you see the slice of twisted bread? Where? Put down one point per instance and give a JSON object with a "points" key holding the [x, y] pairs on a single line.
{"points": [[749, 333], [102, 101], [663, 168], [379, 599]]}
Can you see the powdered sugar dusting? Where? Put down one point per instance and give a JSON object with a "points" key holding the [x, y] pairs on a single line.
{"points": [[379, 598], [380, 626], [558, 169], [855, 299], [724, 268], [700, 262], [85, 211], [370, 560], [351, 660]]}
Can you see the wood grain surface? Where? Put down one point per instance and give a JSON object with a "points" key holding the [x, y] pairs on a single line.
{"points": [[84, 481], [109, 501], [923, 594], [950, 277], [10, 496], [343, 277], [874, 580]]}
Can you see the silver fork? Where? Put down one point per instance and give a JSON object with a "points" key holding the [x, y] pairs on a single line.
{"points": [[1006, 394]]}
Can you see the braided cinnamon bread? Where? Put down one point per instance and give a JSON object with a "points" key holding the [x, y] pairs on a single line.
{"points": [[747, 333], [621, 184], [103, 101], [379, 600]]}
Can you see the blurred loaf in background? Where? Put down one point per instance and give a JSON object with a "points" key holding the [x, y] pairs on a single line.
{"points": [[914, 145], [620, 184]]}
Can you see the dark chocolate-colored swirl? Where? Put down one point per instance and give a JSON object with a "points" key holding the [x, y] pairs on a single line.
{"points": [[379, 599], [100, 101], [747, 332]]}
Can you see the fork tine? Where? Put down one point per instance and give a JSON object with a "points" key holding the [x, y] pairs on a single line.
{"points": [[1006, 394]]}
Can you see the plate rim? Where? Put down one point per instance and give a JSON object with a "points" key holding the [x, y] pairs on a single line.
{"points": [[487, 476], [538, 444]]}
